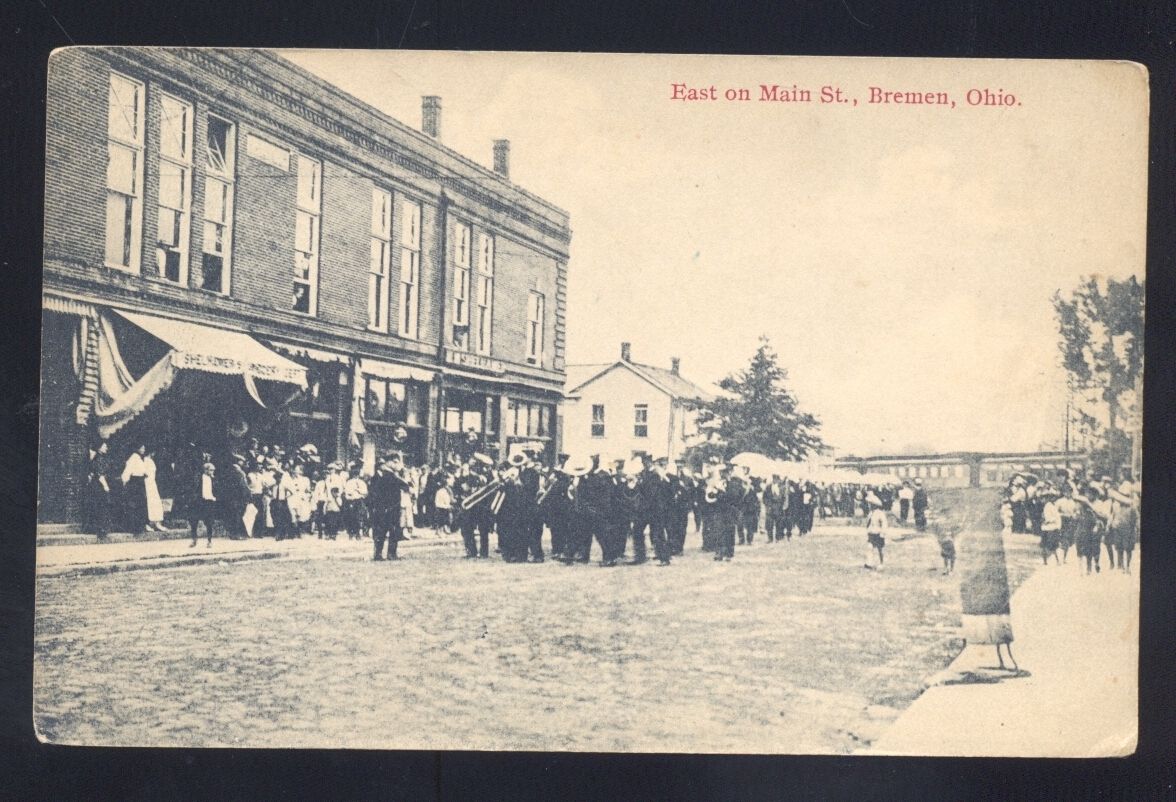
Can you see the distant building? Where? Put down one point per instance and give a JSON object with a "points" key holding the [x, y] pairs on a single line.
{"points": [[625, 408], [967, 468]]}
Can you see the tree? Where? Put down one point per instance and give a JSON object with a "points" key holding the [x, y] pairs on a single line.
{"points": [[757, 414], [1101, 342]]}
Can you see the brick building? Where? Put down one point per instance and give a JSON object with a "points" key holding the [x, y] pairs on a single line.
{"points": [[235, 248]]}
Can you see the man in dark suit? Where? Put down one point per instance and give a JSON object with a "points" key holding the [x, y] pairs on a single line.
{"points": [[681, 502], [775, 502], [656, 494], [384, 499], [235, 496], [477, 521], [531, 520]]}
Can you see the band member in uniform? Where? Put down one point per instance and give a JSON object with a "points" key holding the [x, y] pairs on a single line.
{"points": [[656, 493], [580, 522], [596, 502], [726, 496], [510, 507], [775, 501], [795, 508], [555, 508], [532, 519], [629, 512], [384, 495], [749, 509], [477, 518], [681, 502]]}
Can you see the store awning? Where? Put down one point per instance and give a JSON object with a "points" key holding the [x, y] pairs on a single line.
{"points": [[199, 347], [393, 371], [309, 352]]}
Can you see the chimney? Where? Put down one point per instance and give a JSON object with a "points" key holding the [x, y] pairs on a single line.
{"points": [[675, 366], [502, 157], [431, 115], [626, 352]]}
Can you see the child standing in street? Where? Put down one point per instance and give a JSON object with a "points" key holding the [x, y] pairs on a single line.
{"points": [[875, 531]]}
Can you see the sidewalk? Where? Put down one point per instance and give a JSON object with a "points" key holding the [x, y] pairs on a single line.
{"points": [[1077, 640], [124, 555]]}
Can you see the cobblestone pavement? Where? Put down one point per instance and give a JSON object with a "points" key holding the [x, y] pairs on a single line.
{"points": [[792, 647]]}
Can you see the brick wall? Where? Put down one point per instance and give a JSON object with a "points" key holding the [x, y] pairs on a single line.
{"points": [[264, 212]]}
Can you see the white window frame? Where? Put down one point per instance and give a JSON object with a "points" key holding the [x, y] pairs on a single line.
{"points": [[408, 311], [640, 420], [225, 175], [380, 263], [308, 203], [597, 421], [483, 325], [462, 244], [131, 220], [536, 322], [179, 164]]}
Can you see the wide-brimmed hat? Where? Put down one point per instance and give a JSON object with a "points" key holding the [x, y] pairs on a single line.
{"points": [[517, 460], [578, 466], [482, 458]]}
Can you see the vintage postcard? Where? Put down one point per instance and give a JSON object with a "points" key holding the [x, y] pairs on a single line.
{"points": [[605, 403]]}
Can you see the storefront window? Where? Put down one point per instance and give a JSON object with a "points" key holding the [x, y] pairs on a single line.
{"points": [[394, 402], [321, 394]]}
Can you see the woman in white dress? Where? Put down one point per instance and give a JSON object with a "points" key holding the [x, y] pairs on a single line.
{"points": [[154, 502]]}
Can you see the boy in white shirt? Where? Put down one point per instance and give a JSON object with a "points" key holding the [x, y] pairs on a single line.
{"points": [[875, 531]]}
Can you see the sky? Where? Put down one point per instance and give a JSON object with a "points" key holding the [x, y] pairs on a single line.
{"points": [[900, 258]]}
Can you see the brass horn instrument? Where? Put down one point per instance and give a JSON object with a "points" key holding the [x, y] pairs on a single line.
{"points": [[715, 485], [480, 495]]}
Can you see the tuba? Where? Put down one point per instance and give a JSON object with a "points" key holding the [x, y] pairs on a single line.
{"points": [[481, 494], [715, 486]]}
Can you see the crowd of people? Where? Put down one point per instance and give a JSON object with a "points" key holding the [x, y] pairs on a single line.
{"points": [[1076, 511], [623, 506]]}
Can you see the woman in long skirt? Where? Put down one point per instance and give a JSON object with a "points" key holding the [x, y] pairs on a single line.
{"points": [[984, 590], [154, 502], [135, 491]]}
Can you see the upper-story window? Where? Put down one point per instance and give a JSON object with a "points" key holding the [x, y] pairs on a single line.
{"points": [[124, 173], [306, 235], [380, 261], [410, 268], [598, 420], [220, 170], [483, 314], [173, 225], [641, 420], [535, 322], [461, 284]]}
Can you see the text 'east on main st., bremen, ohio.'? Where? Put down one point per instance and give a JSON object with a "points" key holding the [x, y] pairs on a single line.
{"points": [[875, 95]]}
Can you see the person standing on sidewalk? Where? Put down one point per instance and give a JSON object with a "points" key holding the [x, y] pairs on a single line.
{"points": [[204, 504], [134, 481], [236, 497], [984, 588], [98, 491]]}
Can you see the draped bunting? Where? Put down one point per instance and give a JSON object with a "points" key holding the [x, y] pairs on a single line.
{"points": [[115, 397]]}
